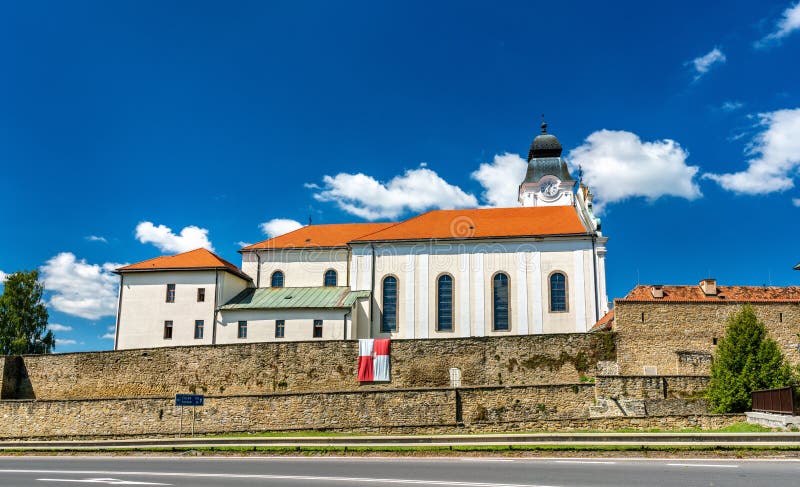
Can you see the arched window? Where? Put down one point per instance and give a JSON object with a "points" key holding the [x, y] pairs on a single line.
{"points": [[277, 279], [558, 292], [389, 318], [444, 303], [500, 302], [330, 278]]}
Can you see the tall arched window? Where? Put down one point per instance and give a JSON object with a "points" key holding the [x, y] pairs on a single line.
{"points": [[444, 303], [277, 279], [558, 292], [389, 318], [330, 278], [500, 302]]}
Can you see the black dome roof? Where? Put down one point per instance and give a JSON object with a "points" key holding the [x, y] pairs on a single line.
{"points": [[544, 145]]}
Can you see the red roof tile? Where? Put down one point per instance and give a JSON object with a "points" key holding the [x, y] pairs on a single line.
{"points": [[315, 236], [484, 223], [605, 323], [739, 294], [194, 259]]}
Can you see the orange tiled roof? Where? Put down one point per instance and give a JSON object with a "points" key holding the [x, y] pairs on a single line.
{"points": [[312, 236], [194, 259], [605, 323], [740, 294], [484, 223]]}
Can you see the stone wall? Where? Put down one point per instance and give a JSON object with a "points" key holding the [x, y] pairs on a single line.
{"points": [[651, 387], [679, 338], [319, 366]]}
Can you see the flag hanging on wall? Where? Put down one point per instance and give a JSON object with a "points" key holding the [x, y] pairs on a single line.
{"points": [[373, 360]]}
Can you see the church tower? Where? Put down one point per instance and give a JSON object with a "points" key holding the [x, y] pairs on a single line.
{"points": [[548, 181]]}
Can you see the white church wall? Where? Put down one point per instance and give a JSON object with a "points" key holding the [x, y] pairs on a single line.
{"points": [[301, 268], [298, 325]]}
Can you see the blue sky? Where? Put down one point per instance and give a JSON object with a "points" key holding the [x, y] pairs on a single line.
{"points": [[208, 119]]}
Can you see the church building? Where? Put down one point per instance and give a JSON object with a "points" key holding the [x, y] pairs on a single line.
{"points": [[532, 269]]}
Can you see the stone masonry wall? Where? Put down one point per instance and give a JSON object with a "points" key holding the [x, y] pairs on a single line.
{"points": [[319, 366], [678, 338]]}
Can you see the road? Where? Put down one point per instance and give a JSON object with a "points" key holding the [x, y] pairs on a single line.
{"points": [[383, 472]]}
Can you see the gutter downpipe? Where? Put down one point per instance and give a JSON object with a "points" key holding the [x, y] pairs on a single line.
{"points": [[119, 310], [258, 270], [372, 289], [596, 284], [216, 301]]}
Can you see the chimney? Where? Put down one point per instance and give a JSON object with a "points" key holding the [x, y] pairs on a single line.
{"points": [[709, 287], [657, 291]]}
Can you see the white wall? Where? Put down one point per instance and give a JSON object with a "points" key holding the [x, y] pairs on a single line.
{"points": [[301, 268], [299, 325]]}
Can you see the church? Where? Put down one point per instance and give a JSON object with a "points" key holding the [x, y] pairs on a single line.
{"points": [[533, 269]]}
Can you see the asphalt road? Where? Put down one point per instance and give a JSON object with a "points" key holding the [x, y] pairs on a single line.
{"points": [[384, 472]]}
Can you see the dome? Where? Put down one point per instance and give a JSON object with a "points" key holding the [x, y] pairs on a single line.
{"points": [[544, 145]]}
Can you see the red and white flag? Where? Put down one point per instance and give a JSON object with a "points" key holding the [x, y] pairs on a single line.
{"points": [[373, 360]]}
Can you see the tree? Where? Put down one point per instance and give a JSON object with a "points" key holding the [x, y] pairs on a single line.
{"points": [[23, 316], [747, 360]]}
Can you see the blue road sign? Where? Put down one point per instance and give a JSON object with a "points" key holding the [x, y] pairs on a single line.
{"points": [[189, 399]]}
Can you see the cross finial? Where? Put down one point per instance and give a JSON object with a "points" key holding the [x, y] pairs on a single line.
{"points": [[544, 125]]}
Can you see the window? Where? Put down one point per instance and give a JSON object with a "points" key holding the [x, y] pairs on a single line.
{"points": [[170, 293], [444, 303], [317, 328], [198, 329], [168, 330], [558, 292], [279, 328], [500, 302], [277, 279], [242, 329], [389, 318], [330, 278], [201, 294]]}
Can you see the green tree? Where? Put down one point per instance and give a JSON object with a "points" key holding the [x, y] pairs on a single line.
{"points": [[747, 360], [23, 316]]}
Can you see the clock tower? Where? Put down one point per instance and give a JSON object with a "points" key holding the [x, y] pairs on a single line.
{"points": [[548, 181]]}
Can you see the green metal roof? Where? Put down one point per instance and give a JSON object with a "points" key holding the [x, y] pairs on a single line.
{"points": [[295, 297]]}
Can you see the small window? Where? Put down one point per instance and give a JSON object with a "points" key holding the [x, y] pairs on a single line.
{"points": [[642, 316], [242, 329], [444, 303], [201, 294], [280, 328], [714, 340], [780, 317], [500, 302], [277, 279], [389, 316], [168, 330], [198, 329], [558, 293], [170, 293], [330, 278], [317, 328]]}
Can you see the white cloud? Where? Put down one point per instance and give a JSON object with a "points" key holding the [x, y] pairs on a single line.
{"points": [[79, 288], [617, 165], [60, 342], [500, 178], [796, 202], [788, 23], [277, 226], [731, 106], [415, 190], [58, 327], [108, 336], [95, 238], [3, 277], [242, 243], [161, 236], [775, 156], [704, 63]]}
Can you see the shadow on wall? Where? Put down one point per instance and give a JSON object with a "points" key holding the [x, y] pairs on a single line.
{"points": [[16, 382]]}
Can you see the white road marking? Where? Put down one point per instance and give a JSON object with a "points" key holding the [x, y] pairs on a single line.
{"points": [[707, 465], [102, 481], [311, 478], [589, 462], [480, 459]]}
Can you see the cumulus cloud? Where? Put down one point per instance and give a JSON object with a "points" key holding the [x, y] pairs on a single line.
{"points": [[277, 226], [796, 202], [775, 157], [788, 23], [108, 336], [704, 63], [3, 277], [61, 342], [416, 190], [58, 327], [731, 106], [95, 238], [166, 240], [618, 165], [499, 179], [81, 289]]}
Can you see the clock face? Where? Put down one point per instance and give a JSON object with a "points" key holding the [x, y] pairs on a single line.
{"points": [[550, 188]]}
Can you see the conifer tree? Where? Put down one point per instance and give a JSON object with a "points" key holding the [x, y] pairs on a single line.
{"points": [[747, 360]]}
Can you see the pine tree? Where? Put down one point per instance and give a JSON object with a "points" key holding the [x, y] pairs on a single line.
{"points": [[747, 360], [23, 316]]}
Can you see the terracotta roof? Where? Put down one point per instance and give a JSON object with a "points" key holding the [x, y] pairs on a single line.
{"points": [[605, 323], [194, 259], [313, 236], [739, 294], [484, 223]]}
